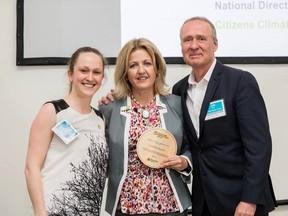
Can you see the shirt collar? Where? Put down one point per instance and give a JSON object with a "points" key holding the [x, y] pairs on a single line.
{"points": [[191, 79]]}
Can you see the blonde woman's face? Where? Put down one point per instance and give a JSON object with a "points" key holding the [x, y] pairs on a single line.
{"points": [[141, 72]]}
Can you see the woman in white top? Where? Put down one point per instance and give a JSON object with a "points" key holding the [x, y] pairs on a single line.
{"points": [[66, 165]]}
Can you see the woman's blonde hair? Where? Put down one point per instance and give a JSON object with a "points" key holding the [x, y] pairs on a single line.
{"points": [[122, 85]]}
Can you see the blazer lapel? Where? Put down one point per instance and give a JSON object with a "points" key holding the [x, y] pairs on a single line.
{"points": [[212, 86], [191, 133]]}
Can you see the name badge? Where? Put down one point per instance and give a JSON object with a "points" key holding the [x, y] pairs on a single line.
{"points": [[216, 109], [65, 131]]}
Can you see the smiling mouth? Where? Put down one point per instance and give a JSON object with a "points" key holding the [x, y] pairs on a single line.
{"points": [[194, 54], [89, 85], [142, 78]]}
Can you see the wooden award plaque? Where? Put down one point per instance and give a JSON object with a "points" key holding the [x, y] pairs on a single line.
{"points": [[154, 145]]}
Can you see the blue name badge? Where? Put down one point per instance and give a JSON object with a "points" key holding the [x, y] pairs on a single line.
{"points": [[216, 109], [65, 131]]}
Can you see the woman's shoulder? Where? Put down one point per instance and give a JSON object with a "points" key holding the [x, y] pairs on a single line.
{"points": [[98, 113], [112, 105], [171, 98], [172, 101], [59, 104]]}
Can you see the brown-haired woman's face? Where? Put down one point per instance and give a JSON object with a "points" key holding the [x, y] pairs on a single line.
{"points": [[141, 72], [88, 74]]}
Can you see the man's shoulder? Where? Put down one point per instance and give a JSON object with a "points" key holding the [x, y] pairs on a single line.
{"points": [[178, 86], [182, 81], [236, 72]]}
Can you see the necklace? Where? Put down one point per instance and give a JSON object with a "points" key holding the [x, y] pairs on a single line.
{"points": [[145, 111]]}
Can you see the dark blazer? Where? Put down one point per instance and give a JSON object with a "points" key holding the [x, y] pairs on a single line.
{"points": [[231, 157]]}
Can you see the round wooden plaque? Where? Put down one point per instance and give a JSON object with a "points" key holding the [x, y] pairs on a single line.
{"points": [[154, 145]]}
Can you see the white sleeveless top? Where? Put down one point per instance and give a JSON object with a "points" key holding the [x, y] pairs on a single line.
{"points": [[74, 174]]}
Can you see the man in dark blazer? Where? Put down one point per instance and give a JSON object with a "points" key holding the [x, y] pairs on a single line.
{"points": [[227, 126]]}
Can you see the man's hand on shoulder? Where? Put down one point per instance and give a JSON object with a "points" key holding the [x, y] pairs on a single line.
{"points": [[106, 99]]}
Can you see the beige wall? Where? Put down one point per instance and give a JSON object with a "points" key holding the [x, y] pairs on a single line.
{"points": [[24, 89]]}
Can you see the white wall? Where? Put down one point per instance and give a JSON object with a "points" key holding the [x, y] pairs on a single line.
{"points": [[24, 89]]}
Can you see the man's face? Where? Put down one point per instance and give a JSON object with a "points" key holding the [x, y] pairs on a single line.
{"points": [[198, 45]]}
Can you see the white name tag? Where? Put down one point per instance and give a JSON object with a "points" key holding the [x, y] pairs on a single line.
{"points": [[216, 109], [65, 131]]}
